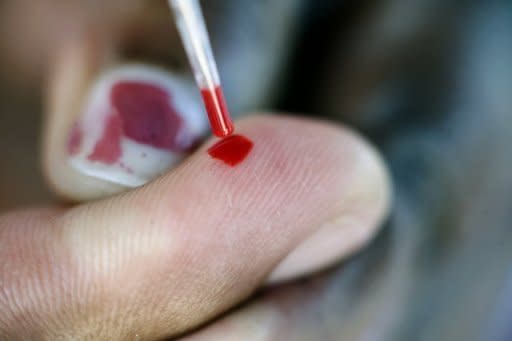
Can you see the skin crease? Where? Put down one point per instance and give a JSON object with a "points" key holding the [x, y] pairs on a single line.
{"points": [[428, 92]]}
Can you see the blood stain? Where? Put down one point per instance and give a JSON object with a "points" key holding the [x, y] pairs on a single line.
{"points": [[231, 150], [147, 114]]}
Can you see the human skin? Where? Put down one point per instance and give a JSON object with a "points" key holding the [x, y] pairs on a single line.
{"points": [[165, 259], [170, 256]]}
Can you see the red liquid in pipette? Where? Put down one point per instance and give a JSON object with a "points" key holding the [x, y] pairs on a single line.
{"points": [[218, 113]]}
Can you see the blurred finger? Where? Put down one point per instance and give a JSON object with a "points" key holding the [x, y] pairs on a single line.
{"points": [[119, 130]]}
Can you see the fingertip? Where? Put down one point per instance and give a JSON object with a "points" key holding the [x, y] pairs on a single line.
{"points": [[365, 203]]}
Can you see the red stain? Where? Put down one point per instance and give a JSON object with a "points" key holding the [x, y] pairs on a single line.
{"points": [[108, 148], [75, 140], [147, 115], [141, 112], [232, 150], [217, 111]]}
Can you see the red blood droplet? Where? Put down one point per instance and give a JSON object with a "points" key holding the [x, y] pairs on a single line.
{"points": [[108, 148], [147, 114], [232, 150], [217, 111]]}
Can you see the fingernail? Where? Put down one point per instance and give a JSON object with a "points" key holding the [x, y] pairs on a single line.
{"points": [[137, 123]]}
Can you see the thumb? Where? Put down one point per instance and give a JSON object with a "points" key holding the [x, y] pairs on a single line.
{"points": [[169, 256]]}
